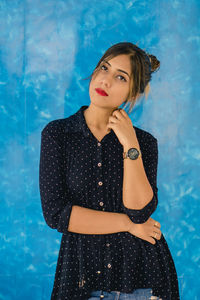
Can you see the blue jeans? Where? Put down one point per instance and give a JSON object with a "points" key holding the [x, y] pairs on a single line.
{"points": [[139, 294]]}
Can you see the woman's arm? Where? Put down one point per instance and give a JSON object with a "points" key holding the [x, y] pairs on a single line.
{"points": [[137, 191], [140, 181], [139, 176], [89, 221]]}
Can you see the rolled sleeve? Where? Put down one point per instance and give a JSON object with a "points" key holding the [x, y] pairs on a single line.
{"points": [[150, 162], [53, 192]]}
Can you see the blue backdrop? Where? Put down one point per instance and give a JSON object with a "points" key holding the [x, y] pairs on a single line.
{"points": [[47, 48]]}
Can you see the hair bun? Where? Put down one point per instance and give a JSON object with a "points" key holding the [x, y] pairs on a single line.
{"points": [[155, 63]]}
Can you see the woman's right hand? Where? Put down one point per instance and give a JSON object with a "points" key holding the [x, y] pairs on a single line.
{"points": [[146, 231]]}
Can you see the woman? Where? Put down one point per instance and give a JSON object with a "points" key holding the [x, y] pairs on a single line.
{"points": [[98, 185]]}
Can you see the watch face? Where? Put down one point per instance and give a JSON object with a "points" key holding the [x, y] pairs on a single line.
{"points": [[133, 153]]}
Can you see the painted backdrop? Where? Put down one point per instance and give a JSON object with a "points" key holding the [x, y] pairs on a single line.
{"points": [[46, 49]]}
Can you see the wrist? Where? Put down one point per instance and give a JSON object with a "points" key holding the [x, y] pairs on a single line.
{"points": [[127, 147], [131, 144], [127, 223]]}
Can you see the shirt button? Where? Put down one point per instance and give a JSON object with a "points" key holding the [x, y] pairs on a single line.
{"points": [[99, 164], [99, 144], [98, 272], [100, 183], [109, 266], [101, 203], [108, 244]]}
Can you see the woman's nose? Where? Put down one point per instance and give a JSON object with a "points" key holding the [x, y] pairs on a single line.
{"points": [[106, 80]]}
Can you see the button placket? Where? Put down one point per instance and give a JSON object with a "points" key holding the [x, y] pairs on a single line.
{"points": [[100, 175], [108, 259], [107, 263]]}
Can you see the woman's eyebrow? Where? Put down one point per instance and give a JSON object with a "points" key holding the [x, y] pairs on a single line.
{"points": [[117, 69]]}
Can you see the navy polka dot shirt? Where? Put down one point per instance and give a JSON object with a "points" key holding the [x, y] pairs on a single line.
{"points": [[77, 169]]}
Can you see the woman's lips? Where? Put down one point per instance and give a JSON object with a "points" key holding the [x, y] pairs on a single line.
{"points": [[101, 92]]}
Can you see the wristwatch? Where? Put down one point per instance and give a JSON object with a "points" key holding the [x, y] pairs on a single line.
{"points": [[132, 153]]}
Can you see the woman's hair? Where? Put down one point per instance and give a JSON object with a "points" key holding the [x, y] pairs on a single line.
{"points": [[142, 65]]}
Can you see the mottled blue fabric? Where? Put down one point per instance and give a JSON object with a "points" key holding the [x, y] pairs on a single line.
{"points": [[46, 49]]}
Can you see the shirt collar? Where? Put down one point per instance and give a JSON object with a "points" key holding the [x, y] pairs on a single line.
{"points": [[82, 125]]}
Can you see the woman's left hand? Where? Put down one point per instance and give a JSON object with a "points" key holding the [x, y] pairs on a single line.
{"points": [[122, 125]]}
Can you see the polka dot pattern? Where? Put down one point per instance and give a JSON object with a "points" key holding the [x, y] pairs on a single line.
{"points": [[77, 169]]}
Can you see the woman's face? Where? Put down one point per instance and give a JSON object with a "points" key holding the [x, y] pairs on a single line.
{"points": [[113, 77]]}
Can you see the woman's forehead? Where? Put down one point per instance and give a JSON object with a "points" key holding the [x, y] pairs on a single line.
{"points": [[121, 62]]}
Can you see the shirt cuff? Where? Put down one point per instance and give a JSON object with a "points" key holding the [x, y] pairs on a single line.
{"points": [[142, 215], [63, 221], [58, 220]]}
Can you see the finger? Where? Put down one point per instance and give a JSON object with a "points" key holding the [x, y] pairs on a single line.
{"points": [[124, 113], [152, 221], [159, 237], [157, 229], [160, 234], [154, 235], [157, 224], [117, 113], [113, 119], [151, 240]]}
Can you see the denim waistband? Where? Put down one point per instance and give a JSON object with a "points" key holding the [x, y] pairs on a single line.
{"points": [[138, 292]]}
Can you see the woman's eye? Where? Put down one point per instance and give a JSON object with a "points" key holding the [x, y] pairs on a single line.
{"points": [[122, 77], [103, 67]]}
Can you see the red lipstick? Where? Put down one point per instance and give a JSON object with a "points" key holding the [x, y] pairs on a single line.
{"points": [[101, 92]]}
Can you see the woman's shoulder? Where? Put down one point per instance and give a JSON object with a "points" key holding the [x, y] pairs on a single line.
{"points": [[60, 126], [144, 135], [54, 128], [148, 143], [146, 139]]}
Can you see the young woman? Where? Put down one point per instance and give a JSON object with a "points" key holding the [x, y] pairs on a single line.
{"points": [[98, 185]]}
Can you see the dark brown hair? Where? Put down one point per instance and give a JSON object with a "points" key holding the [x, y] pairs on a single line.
{"points": [[142, 65]]}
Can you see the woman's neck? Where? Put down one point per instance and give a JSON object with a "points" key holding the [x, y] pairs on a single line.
{"points": [[97, 117]]}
